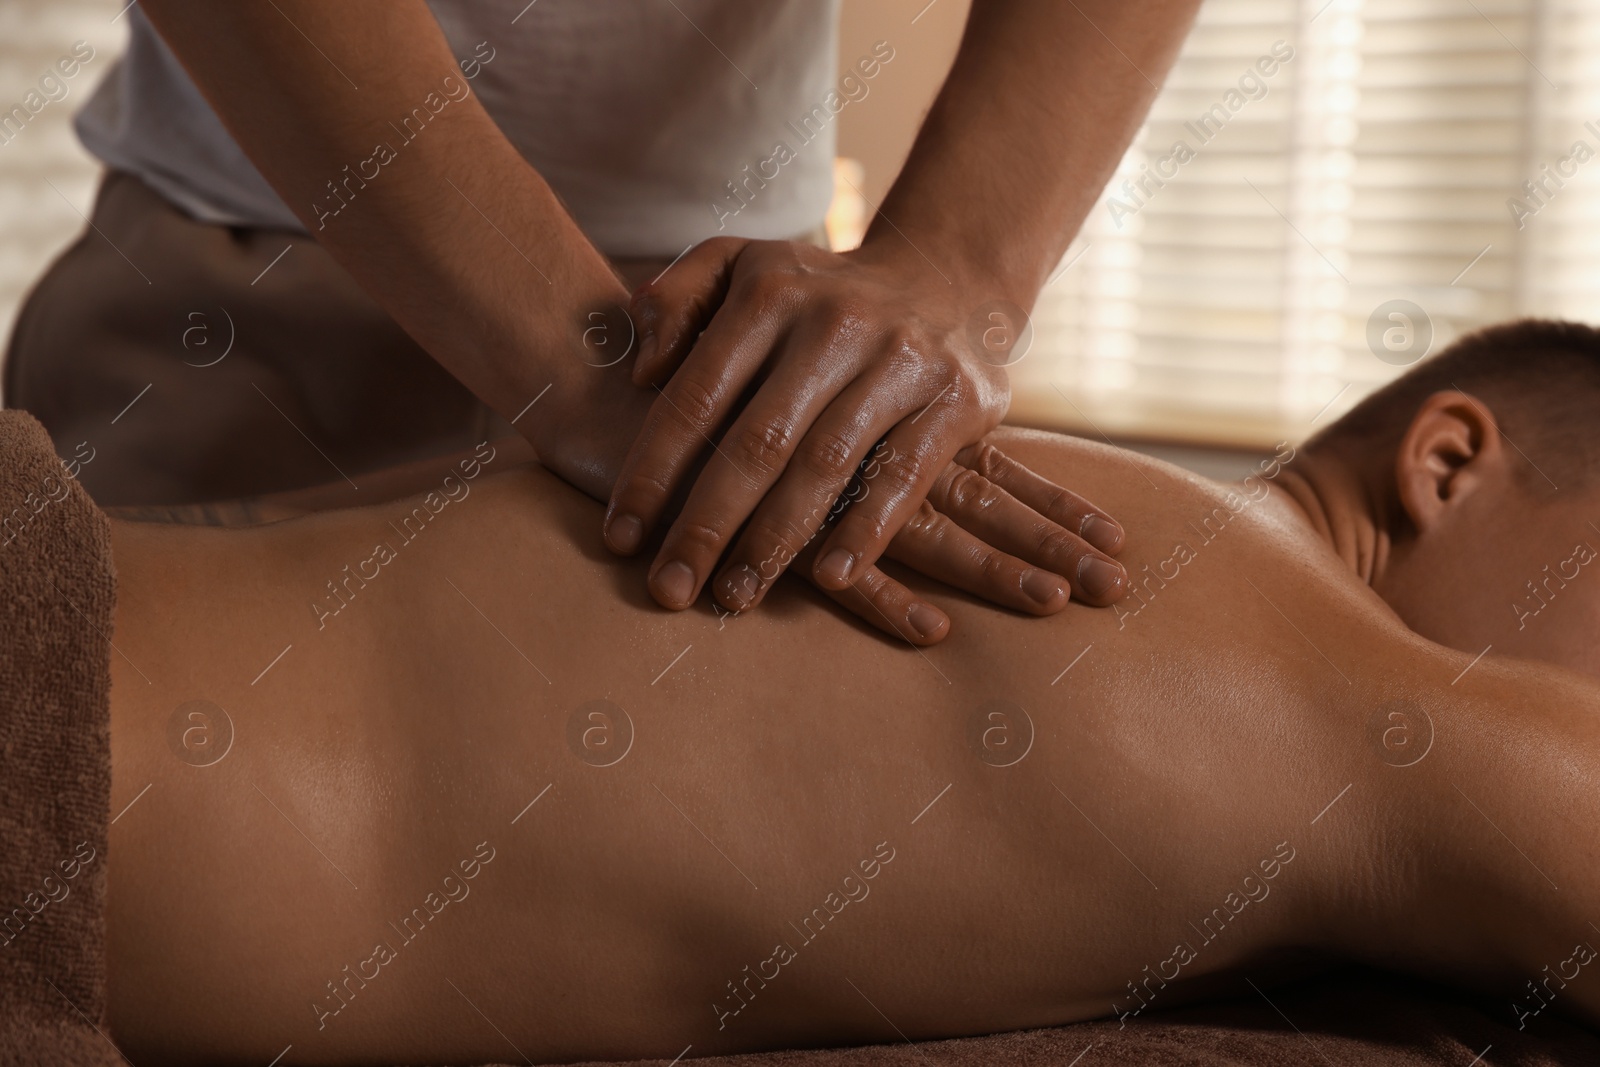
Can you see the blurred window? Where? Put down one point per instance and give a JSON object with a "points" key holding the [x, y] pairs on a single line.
{"points": [[1288, 233]]}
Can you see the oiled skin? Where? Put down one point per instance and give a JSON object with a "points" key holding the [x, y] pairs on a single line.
{"points": [[1194, 740]]}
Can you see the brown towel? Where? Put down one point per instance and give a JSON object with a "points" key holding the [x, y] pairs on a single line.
{"points": [[1352, 1018], [56, 594]]}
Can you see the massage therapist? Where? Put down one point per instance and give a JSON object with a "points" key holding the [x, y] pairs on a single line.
{"points": [[338, 236]]}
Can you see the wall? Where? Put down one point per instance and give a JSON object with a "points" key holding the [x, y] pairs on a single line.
{"points": [[879, 132]]}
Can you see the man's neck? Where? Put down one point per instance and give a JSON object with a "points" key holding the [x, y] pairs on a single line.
{"points": [[1340, 506]]}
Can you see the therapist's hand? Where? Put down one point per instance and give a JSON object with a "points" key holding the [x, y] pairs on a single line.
{"points": [[818, 357], [990, 526]]}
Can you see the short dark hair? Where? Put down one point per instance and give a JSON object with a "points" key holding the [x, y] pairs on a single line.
{"points": [[1539, 377]]}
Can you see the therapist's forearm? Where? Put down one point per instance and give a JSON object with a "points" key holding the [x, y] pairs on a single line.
{"points": [[456, 236], [1042, 101]]}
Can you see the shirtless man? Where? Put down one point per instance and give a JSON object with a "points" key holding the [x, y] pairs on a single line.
{"points": [[459, 811]]}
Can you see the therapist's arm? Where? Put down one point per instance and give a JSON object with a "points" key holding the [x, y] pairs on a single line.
{"points": [[456, 236], [888, 340], [467, 247]]}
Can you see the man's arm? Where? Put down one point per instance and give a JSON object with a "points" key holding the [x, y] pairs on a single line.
{"points": [[1470, 822], [452, 232], [878, 343]]}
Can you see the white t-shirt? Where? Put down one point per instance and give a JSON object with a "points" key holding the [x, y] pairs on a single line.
{"points": [[639, 113]]}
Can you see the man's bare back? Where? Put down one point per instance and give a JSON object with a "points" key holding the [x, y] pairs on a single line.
{"points": [[464, 803]]}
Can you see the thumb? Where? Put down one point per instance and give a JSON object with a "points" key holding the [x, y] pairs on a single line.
{"points": [[670, 311]]}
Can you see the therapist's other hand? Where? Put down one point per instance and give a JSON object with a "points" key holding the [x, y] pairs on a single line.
{"points": [[817, 357], [989, 526]]}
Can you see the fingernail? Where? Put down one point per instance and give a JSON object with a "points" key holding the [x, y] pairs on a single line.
{"points": [[925, 620], [1042, 587], [624, 533], [1101, 533], [739, 586], [1099, 578], [676, 582], [835, 566]]}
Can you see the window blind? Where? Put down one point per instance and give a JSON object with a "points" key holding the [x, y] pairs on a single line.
{"points": [[1239, 280]]}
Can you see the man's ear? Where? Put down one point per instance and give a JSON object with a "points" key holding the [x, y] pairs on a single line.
{"points": [[1451, 449]]}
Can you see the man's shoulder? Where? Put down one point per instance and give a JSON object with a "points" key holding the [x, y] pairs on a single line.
{"points": [[1208, 560]]}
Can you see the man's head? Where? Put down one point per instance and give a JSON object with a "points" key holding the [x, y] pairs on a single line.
{"points": [[1481, 469]]}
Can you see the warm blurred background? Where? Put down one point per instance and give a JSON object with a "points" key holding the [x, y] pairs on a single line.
{"points": [[1231, 307], [36, 220]]}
